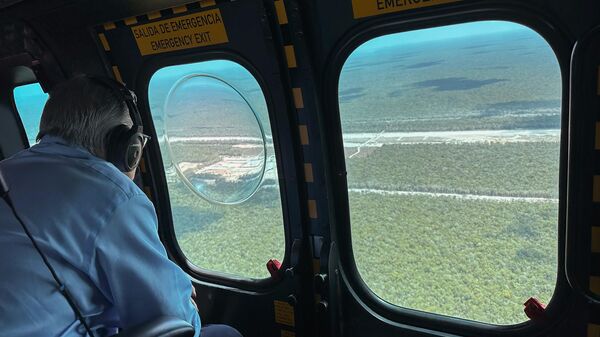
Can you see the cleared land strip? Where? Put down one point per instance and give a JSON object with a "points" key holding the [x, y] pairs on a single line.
{"points": [[373, 139], [418, 137], [454, 195], [377, 139]]}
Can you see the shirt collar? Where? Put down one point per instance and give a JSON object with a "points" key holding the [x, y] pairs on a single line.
{"points": [[57, 145]]}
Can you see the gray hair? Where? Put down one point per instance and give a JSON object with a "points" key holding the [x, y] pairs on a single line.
{"points": [[83, 112]]}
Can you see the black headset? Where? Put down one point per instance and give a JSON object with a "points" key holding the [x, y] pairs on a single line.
{"points": [[124, 145]]}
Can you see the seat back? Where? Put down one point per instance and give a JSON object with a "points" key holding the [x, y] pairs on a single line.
{"points": [[164, 326]]}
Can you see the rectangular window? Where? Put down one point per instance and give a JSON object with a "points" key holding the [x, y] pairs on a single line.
{"points": [[452, 142], [30, 100], [213, 129]]}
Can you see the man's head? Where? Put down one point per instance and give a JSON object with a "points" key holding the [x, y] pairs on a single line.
{"points": [[83, 112]]}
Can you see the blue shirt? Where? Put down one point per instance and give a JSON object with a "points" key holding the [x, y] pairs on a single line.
{"points": [[99, 232]]}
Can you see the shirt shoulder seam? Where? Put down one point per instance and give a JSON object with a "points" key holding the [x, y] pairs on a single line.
{"points": [[129, 194]]}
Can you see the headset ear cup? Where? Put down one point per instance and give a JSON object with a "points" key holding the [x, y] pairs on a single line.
{"points": [[124, 148], [134, 151]]}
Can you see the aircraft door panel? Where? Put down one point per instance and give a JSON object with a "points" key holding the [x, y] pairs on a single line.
{"points": [[234, 50]]}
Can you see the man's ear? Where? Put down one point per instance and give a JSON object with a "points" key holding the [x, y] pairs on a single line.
{"points": [[131, 174]]}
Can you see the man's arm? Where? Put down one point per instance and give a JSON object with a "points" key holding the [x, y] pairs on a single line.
{"points": [[131, 268]]}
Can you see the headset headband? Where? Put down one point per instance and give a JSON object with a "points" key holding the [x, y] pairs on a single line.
{"points": [[124, 94]]}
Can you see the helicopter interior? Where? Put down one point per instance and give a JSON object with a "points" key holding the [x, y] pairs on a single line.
{"points": [[350, 168]]}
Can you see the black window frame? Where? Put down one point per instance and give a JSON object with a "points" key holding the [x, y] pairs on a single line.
{"points": [[561, 44], [157, 172]]}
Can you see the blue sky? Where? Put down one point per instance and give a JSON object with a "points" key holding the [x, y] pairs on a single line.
{"points": [[443, 33], [27, 90]]}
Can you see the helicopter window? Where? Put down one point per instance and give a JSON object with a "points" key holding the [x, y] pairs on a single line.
{"points": [[30, 100], [213, 127], [452, 141]]}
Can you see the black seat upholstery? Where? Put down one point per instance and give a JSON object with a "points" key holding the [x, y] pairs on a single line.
{"points": [[164, 326]]}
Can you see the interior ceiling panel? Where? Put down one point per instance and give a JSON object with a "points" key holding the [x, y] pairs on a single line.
{"points": [[8, 3], [82, 13]]}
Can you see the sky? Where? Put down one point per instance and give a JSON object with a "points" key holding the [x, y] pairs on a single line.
{"points": [[443, 33], [30, 98]]}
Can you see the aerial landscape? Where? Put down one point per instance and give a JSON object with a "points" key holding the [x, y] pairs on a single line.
{"points": [[452, 144]]}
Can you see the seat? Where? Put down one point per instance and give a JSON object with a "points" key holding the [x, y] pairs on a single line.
{"points": [[164, 326]]}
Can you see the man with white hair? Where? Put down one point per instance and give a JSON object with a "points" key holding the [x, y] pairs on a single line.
{"points": [[98, 230]]}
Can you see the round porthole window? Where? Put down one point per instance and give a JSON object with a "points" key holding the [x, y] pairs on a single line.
{"points": [[215, 139]]}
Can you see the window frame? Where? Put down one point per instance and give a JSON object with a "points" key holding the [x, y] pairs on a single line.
{"points": [[339, 207], [154, 154]]}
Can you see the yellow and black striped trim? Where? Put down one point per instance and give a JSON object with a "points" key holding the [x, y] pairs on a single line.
{"points": [[298, 99], [281, 14], [290, 56], [130, 21], [147, 17], [117, 74], [308, 173], [207, 3], [179, 9], [297, 95], [287, 333], [312, 209], [109, 26], [104, 41], [303, 129]]}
